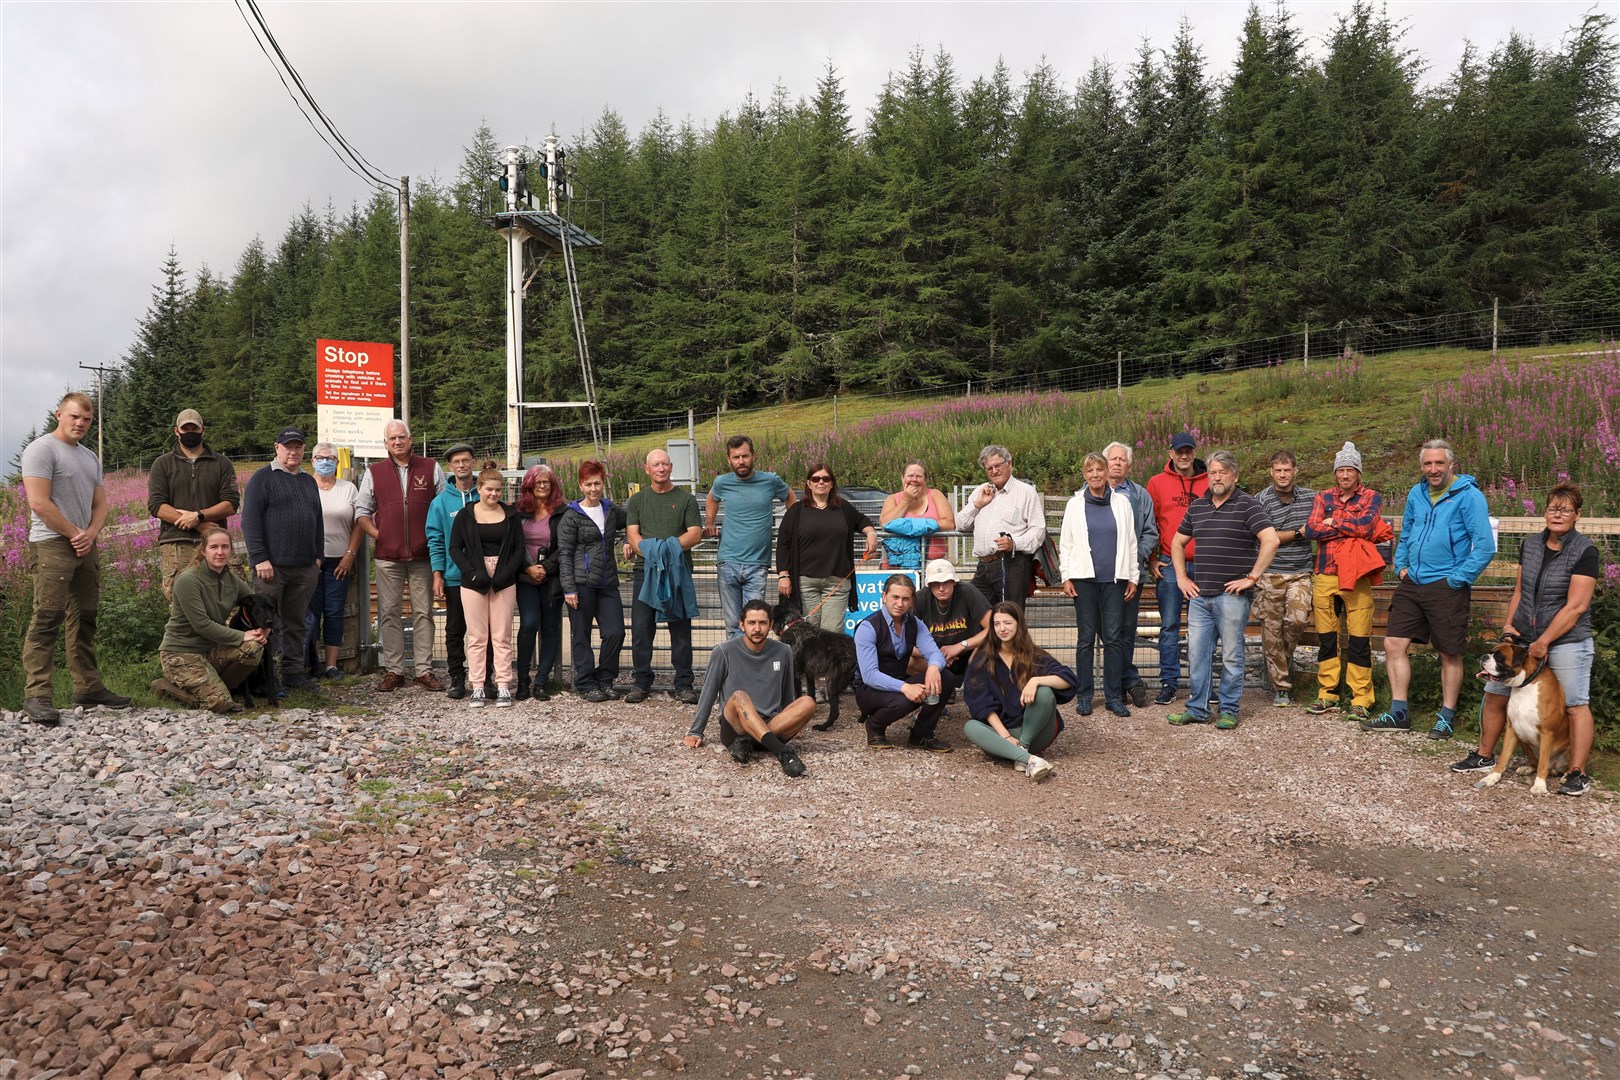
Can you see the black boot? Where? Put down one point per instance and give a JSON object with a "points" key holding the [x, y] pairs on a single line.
{"points": [[458, 687], [522, 691]]}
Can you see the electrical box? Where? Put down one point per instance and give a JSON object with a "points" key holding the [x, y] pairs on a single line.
{"points": [[684, 459]]}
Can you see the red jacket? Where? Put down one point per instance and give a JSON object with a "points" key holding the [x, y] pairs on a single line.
{"points": [[1172, 493]]}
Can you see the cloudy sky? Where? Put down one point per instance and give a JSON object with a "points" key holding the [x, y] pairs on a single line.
{"points": [[128, 128]]}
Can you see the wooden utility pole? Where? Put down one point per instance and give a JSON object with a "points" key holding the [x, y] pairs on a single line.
{"points": [[100, 371], [405, 300]]}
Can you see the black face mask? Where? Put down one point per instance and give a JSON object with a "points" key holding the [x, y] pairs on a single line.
{"points": [[191, 439]]}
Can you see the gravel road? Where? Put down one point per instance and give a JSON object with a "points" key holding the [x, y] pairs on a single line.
{"points": [[399, 886]]}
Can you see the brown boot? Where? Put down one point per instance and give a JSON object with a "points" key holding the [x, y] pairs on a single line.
{"points": [[163, 688]]}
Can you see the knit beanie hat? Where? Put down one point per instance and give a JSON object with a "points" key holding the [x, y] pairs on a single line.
{"points": [[1349, 457]]}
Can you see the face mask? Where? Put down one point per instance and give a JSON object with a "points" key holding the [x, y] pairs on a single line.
{"points": [[326, 468], [191, 439]]}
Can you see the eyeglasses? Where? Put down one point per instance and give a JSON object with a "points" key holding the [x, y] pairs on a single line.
{"points": [[1560, 511], [821, 479]]}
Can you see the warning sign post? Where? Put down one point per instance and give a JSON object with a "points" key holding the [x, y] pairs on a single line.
{"points": [[354, 394]]}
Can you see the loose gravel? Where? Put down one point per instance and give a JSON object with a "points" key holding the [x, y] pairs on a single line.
{"points": [[396, 885]]}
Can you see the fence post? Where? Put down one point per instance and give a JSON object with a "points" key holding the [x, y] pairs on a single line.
{"points": [[1495, 300], [610, 436], [1119, 373], [835, 414], [1307, 346]]}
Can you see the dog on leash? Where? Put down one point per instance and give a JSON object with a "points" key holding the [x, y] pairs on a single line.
{"points": [[1535, 712], [253, 613], [818, 655]]}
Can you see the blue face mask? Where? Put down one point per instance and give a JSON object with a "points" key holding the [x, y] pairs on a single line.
{"points": [[326, 468]]}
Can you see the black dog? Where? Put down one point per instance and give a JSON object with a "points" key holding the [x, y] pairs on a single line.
{"points": [[818, 655], [251, 614]]}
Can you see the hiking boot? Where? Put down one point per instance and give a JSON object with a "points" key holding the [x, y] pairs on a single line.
{"points": [[476, 701], [522, 691], [791, 765], [458, 688], [1474, 762], [1387, 722], [40, 711], [1037, 768], [503, 698], [931, 744], [595, 696], [1165, 696], [1357, 713], [1181, 719], [636, 696], [1318, 707], [878, 742], [163, 688], [686, 696], [613, 692], [742, 749], [391, 682], [1227, 722], [1576, 784], [1442, 730], [102, 697], [1138, 695]]}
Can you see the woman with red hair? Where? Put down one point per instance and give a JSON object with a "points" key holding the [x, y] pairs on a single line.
{"points": [[540, 505], [589, 570]]}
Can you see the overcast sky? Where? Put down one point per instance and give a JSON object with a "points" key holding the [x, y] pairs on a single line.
{"points": [[128, 128]]}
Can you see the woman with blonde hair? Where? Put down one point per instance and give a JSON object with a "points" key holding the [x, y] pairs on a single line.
{"points": [[202, 656], [486, 544]]}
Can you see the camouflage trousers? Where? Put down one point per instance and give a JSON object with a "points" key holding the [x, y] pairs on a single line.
{"points": [[174, 557], [209, 677], [1282, 607]]}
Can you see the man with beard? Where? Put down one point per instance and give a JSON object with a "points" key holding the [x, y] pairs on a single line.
{"points": [[1236, 543], [1282, 600], [751, 675], [744, 558]]}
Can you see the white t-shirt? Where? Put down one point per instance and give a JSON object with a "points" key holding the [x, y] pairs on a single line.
{"points": [[337, 516], [74, 473], [597, 514]]}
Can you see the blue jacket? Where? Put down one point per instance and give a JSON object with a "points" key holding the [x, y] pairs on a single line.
{"points": [[441, 515], [666, 582], [1446, 541]]}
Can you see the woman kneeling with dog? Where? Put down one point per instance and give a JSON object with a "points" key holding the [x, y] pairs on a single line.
{"points": [[203, 657], [1012, 692]]}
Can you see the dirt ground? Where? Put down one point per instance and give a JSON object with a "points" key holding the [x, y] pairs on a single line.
{"points": [[584, 897]]}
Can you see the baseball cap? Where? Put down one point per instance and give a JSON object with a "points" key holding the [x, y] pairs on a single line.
{"points": [[188, 416], [1183, 441], [288, 436], [939, 570]]}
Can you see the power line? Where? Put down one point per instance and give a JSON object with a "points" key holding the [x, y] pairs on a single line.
{"points": [[351, 158]]}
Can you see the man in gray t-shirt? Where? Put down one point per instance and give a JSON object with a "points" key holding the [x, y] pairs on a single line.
{"points": [[67, 508], [753, 677]]}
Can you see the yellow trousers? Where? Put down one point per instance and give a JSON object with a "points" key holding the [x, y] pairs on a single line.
{"points": [[1344, 625]]}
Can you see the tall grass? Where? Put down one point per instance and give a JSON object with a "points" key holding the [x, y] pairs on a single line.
{"points": [[1521, 427]]}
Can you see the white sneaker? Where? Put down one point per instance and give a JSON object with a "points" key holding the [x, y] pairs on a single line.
{"points": [[1038, 769], [503, 698], [476, 699]]}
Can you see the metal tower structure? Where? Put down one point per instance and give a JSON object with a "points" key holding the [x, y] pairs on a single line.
{"points": [[532, 236]]}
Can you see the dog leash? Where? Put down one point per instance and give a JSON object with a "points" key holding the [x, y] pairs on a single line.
{"points": [[811, 613]]}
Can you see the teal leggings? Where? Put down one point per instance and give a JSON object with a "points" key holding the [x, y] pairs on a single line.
{"points": [[1036, 730]]}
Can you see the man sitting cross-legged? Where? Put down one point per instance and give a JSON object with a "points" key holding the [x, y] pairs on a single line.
{"points": [[753, 676]]}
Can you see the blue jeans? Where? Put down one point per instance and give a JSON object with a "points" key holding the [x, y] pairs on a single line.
{"points": [[539, 615], [1170, 604], [325, 614], [739, 583], [1221, 617], [1099, 609]]}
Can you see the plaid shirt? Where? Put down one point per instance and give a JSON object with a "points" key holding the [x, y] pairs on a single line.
{"points": [[1357, 517]]}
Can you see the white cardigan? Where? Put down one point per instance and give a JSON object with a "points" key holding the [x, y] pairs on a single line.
{"points": [[1074, 543]]}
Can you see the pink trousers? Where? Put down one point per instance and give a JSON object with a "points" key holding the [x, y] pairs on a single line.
{"points": [[489, 621]]}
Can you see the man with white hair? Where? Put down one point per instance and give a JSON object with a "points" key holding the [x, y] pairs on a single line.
{"points": [[1008, 522], [395, 496], [1120, 458]]}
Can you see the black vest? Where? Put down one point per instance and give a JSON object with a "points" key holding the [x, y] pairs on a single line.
{"points": [[1544, 586], [891, 665]]}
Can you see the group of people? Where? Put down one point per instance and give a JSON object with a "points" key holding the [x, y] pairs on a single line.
{"points": [[1211, 550]]}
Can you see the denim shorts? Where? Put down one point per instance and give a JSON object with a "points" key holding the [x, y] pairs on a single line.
{"points": [[1572, 663]]}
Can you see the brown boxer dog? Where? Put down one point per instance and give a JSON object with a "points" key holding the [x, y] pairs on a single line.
{"points": [[1535, 713]]}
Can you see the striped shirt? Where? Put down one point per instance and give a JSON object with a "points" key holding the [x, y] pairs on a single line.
{"points": [[1292, 558], [1228, 538]]}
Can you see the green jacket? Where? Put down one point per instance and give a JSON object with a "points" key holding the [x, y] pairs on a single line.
{"points": [[202, 603]]}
